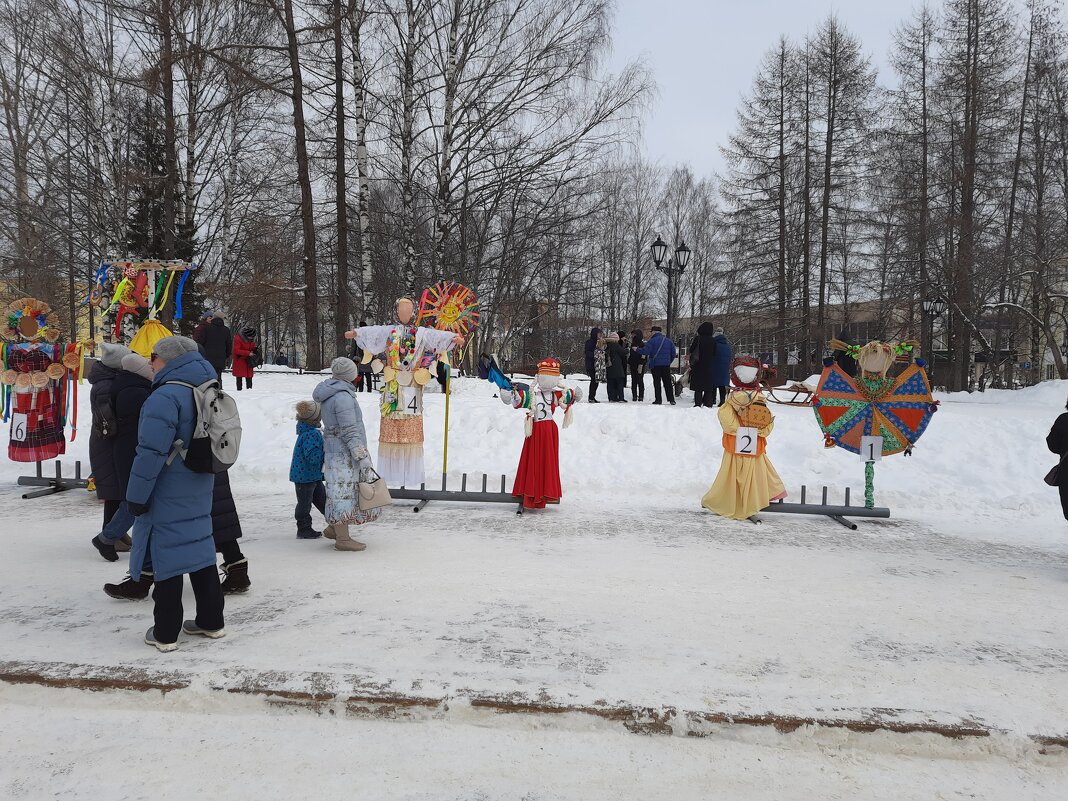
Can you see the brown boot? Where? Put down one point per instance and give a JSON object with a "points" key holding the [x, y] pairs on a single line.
{"points": [[328, 532], [122, 545], [342, 540]]}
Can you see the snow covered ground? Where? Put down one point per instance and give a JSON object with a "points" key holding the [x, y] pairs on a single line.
{"points": [[950, 616]]}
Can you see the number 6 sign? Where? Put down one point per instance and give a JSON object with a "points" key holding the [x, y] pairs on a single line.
{"points": [[18, 427], [871, 449], [745, 442]]}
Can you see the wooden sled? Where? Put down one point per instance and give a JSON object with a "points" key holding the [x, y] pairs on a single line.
{"points": [[793, 394]]}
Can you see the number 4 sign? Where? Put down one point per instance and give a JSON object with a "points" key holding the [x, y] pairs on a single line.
{"points": [[745, 442], [411, 401], [871, 449]]}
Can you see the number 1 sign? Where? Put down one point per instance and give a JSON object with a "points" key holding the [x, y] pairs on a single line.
{"points": [[871, 449]]}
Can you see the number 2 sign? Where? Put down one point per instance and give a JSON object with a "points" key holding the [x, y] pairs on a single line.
{"points": [[871, 449], [745, 442]]}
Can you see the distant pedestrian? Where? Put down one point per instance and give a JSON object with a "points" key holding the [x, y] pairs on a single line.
{"points": [[171, 503], [626, 353], [280, 359], [1057, 442], [721, 371], [661, 352], [595, 366], [217, 344], [616, 368], [365, 371], [703, 366], [636, 362], [306, 468], [246, 356], [198, 332]]}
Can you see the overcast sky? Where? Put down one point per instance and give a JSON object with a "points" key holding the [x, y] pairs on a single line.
{"points": [[704, 54]]}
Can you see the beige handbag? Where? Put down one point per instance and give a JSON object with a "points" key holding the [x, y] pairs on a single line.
{"points": [[374, 494]]}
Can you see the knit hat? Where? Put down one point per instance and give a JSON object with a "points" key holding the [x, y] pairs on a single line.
{"points": [[718, 332], [111, 354], [138, 365], [248, 332], [218, 315], [613, 337], [343, 369], [308, 411], [170, 348]]}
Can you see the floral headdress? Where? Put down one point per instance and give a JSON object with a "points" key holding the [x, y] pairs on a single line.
{"points": [[27, 320]]}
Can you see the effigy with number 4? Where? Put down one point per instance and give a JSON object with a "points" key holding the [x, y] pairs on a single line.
{"points": [[874, 414]]}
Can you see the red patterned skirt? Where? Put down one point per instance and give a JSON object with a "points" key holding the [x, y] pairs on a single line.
{"points": [[42, 438], [537, 481]]}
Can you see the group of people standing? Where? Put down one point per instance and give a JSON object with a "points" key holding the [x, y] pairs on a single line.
{"points": [[609, 359], [222, 349]]}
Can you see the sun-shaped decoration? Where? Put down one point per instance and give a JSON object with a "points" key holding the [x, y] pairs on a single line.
{"points": [[449, 306]]}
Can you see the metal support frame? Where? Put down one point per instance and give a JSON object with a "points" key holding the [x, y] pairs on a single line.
{"points": [[462, 495], [836, 512], [52, 485]]}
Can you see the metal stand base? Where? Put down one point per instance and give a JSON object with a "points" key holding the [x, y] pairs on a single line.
{"points": [[59, 483], [462, 495], [837, 513]]}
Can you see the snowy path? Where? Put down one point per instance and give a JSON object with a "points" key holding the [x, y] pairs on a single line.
{"points": [[90, 746]]}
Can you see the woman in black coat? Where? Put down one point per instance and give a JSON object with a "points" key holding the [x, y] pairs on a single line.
{"points": [[594, 353], [636, 362], [102, 436], [616, 368], [1057, 442], [703, 366]]}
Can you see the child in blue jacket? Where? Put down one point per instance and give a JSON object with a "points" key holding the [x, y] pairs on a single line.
{"points": [[306, 471]]}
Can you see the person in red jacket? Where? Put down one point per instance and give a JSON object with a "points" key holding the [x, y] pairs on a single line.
{"points": [[246, 356]]}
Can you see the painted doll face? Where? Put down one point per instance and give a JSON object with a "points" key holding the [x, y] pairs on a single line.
{"points": [[405, 311]]}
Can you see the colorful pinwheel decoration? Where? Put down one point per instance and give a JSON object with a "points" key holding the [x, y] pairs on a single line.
{"points": [[897, 410]]}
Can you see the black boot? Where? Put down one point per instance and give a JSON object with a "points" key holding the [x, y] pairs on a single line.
{"points": [[130, 590], [106, 549], [236, 577]]}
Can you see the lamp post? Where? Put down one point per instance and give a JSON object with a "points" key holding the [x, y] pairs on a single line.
{"points": [[933, 306], [674, 268]]}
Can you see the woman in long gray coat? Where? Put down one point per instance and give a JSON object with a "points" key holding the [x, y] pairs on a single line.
{"points": [[346, 460]]}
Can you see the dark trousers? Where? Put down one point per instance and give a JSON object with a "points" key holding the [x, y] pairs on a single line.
{"points": [[637, 384], [662, 378], [593, 389], [230, 552], [615, 389], [704, 397], [367, 382], [168, 597], [249, 380], [722, 395], [309, 495], [110, 508]]}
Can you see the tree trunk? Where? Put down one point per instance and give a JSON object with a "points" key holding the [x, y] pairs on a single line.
{"points": [[828, 156], [780, 336], [364, 182], [307, 210], [343, 315]]}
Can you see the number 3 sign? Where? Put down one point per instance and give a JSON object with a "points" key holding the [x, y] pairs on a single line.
{"points": [[745, 442], [871, 449]]}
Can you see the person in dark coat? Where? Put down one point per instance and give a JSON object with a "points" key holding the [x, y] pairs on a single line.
{"points": [[129, 391], [842, 357], [702, 366], [721, 370], [367, 376], [172, 503], [616, 368], [102, 376], [217, 343], [198, 332], [1057, 442], [593, 353], [636, 362]]}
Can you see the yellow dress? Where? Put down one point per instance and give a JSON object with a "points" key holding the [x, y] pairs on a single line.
{"points": [[745, 484]]}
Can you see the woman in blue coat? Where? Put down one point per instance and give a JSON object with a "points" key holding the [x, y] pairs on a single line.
{"points": [[171, 503], [722, 365]]}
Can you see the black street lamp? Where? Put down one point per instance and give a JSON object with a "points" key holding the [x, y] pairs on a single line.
{"points": [[934, 306], [674, 268]]}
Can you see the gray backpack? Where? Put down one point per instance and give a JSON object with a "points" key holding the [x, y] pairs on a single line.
{"points": [[216, 430]]}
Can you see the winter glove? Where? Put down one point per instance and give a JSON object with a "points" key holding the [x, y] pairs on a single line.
{"points": [[137, 509], [360, 454]]}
